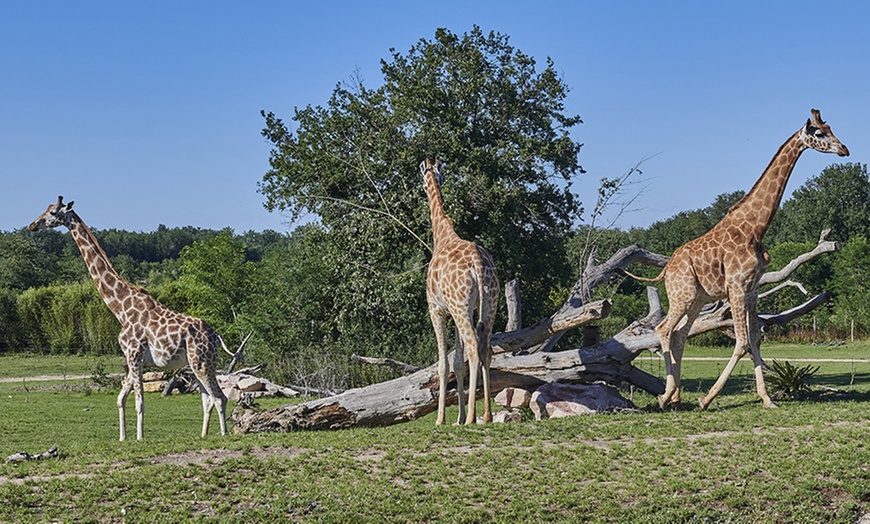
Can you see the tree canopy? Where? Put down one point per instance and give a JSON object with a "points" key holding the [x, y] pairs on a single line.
{"points": [[486, 110]]}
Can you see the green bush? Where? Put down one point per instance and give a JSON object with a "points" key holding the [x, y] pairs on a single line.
{"points": [[67, 318]]}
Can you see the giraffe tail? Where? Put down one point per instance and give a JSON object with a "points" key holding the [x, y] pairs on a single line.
{"points": [[480, 328], [642, 279]]}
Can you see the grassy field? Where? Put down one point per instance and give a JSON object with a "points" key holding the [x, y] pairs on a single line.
{"points": [[807, 461]]}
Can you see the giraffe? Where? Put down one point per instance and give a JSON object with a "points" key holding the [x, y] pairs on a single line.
{"points": [[460, 279], [727, 262], [151, 334]]}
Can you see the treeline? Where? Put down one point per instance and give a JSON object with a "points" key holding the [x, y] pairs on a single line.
{"points": [[283, 286]]}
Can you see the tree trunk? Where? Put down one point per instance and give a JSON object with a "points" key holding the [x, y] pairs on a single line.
{"points": [[516, 364]]}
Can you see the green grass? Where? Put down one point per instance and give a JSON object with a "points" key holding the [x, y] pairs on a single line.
{"points": [[24, 365], [807, 461]]}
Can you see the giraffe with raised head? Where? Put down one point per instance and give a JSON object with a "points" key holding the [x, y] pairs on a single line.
{"points": [[151, 334], [461, 279], [727, 262]]}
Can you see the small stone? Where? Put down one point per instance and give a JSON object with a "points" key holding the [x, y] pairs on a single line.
{"points": [[501, 417], [513, 398]]}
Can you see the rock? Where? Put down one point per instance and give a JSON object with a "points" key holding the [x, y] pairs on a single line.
{"points": [[555, 400], [248, 384], [237, 384], [507, 416], [154, 385], [152, 376], [513, 398]]}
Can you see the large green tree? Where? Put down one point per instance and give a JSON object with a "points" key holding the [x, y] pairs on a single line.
{"points": [[480, 105]]}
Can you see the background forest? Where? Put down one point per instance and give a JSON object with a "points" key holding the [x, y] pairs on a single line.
{"points": [[351, 278]]}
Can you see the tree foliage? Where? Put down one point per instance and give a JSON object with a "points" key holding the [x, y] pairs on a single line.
{"points": [[837, 199], [485, 109]]}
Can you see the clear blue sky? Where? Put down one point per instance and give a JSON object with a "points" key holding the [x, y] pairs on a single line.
{"points": [[147, 113]]}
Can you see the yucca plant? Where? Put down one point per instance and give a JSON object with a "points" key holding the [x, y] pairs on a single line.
{"points": [[787, 381]]}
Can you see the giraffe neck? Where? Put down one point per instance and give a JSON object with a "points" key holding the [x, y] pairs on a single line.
{"points": [[110, 284], [442, 226], [757, 208]]}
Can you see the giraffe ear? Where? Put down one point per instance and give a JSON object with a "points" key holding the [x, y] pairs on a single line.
{"points": [[70, 205]]}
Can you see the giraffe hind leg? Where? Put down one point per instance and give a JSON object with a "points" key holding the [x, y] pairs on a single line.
{"points": [[485, 360], [212, 397], [459, 370], [439, 324]]}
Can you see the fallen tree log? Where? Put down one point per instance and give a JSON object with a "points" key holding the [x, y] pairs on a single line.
{"points": [[415, 395]]}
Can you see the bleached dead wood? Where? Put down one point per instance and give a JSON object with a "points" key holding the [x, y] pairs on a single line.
{"points": [[415, 395]]}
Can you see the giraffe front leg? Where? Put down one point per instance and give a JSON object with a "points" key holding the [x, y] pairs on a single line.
{"points": [[126, 386], [738, 313], [755, 348], [138, 390]]}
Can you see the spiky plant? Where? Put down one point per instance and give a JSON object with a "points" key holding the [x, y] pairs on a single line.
{"points": [[787, 381]]}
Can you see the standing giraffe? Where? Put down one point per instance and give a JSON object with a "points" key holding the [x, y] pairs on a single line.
{"points": [[151, 334], [461, 278], [727, 262]]}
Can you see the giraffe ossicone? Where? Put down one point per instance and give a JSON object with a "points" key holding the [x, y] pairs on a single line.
{"points": [[461, 279], [150, 332], [727, 262]]}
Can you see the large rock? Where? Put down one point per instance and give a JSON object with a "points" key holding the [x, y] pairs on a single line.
{"points": [[236, 384], [513, 398], [555, 400]]}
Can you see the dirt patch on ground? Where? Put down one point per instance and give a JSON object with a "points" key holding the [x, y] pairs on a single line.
{"points": [[205, 457]]}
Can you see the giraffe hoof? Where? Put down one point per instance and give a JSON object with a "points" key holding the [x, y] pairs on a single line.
{"points": [[770, 405], [702, 404]]}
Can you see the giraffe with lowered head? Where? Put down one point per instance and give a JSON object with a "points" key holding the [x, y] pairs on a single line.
{"points": [[151, 334], [727, 262], [461, 278]]}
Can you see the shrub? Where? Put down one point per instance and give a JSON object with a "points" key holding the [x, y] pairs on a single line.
{"points": [[787, 381]]}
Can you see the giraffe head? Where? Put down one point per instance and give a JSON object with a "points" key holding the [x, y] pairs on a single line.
{"points": [[55, 215], [428, 166], [818, 135]]}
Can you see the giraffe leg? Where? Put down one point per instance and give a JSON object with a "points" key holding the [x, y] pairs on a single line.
{"points": [[755, 348], [212, 396], [485, 359], [133, 381], [467, 348], [135, 377], [439, 323], [678, 345], [666, 332], [738, 313], [126, 386], [459, 373]]}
